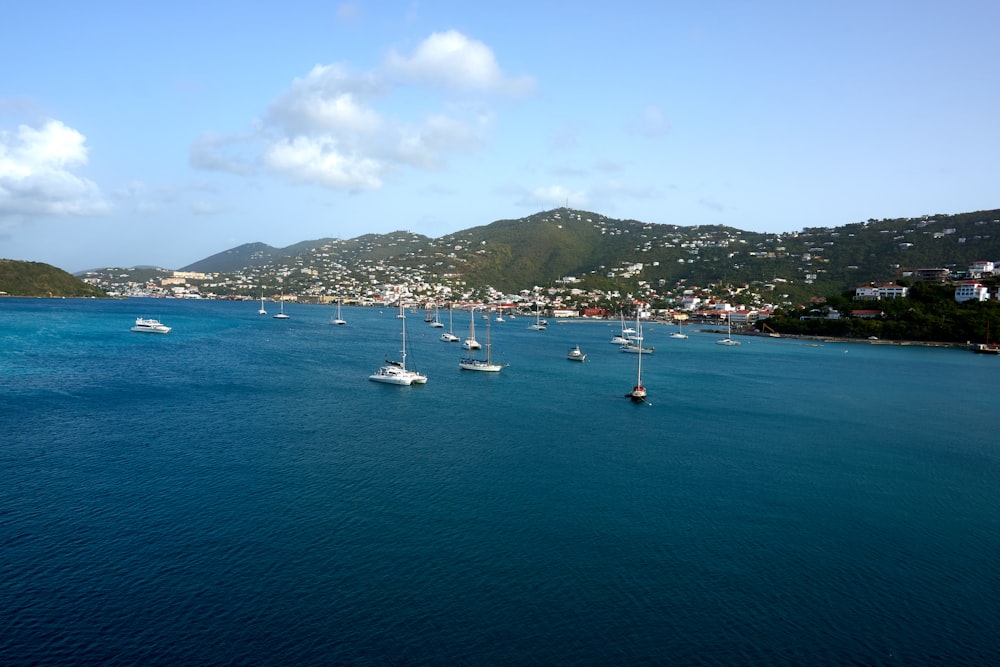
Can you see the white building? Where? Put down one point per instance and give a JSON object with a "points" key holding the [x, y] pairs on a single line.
{"points": [[981, 268], [879, 292], [971, 290]]}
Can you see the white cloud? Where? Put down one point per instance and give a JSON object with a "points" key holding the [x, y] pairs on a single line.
{"points": [[452, 60], [328, 98], [36, 173], [348, 130], [321, 160]]}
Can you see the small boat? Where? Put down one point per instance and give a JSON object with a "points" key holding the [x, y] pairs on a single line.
{"points": [[638, 393], [680, 331], [436, 323], [262, 310], [394, 372], [576, 355], [634, 343], [982, 348], [471, 343], [448, 336], [540, 324], [728, 340], [281, 315], [339, 320], [487, 365], [149, 325], [622, 338]]}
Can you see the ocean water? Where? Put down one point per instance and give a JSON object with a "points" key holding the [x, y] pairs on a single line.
{"points": [[237, 492]]}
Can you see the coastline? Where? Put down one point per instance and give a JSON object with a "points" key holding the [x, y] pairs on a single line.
{"points": [[819, 339]]}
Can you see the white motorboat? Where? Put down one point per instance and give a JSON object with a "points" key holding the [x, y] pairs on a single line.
{"points": [[576, 355], [149, 325]]}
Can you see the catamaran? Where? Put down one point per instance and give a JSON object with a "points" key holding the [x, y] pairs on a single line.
{"points": [[394, 372]]}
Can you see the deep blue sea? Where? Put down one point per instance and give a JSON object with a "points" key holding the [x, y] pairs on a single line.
{"points": [[238, 493]]}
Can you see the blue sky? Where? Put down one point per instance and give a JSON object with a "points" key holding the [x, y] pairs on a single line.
{"points": [[161, 133]]}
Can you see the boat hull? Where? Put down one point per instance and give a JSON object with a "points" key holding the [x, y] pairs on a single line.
{"points": [[149, 326], [478, 365]]}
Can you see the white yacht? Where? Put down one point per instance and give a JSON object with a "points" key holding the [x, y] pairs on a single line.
{"points": [[149, 325]]}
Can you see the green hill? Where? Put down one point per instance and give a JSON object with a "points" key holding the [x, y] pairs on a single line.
{"points": [[19, 278], [615, 255]]}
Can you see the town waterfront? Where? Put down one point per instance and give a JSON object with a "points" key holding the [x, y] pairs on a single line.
{"points": [[237, 492]]}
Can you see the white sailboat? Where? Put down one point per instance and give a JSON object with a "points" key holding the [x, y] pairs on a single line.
{"points": [[339, 319], [539, 325], [437, 324], [638, 393], [473, 364], [622, 338], [471, 343], [281, 315], [394, 372], [728, 340], [448, 336], [262, 310], [680, 331], [634, 344]]}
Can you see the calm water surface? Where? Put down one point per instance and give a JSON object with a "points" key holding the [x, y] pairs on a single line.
{"points": [[237, 492]]}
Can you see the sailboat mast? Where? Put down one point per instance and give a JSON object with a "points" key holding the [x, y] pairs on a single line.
{"points": [[488, 361], [638, 333], [402, 364]]}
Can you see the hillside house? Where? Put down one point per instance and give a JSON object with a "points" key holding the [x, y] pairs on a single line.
{"points": [[981, 268], [879, 292], [970, 290]]}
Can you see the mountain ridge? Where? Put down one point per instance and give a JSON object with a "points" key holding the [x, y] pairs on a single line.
{"points": [[608, 253]]}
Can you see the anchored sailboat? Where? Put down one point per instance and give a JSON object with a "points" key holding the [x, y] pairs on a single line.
{"points": [[394, 372], [473, 364]]}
